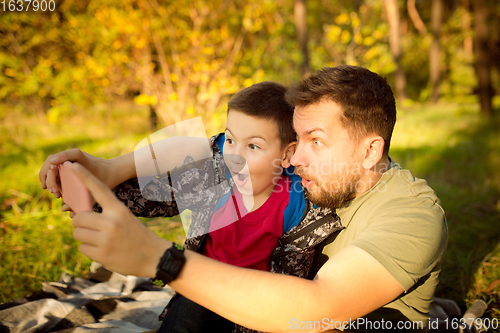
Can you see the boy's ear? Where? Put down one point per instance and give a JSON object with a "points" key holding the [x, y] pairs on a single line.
{"points": [[288, 153]]}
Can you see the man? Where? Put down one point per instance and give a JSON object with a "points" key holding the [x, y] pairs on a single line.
{"points": [[384, 265]]}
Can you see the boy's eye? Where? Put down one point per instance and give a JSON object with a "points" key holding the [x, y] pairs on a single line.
{"points": [[253, 146], [317, 143], [230, 141]]}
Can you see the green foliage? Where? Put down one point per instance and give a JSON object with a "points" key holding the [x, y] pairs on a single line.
{"points": [[35, 236], [356, 36], [193, 55]]}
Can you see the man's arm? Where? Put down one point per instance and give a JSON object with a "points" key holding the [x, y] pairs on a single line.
{"points": [[351, 284]]}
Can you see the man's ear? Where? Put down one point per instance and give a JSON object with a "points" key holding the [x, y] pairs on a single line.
{"points": [[374, 146], [288, 153]]}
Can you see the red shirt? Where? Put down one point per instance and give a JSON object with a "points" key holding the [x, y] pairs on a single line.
{"points": [[250, 240]]}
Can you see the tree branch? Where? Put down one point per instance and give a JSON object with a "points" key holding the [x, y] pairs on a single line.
{"points": [[415, 17]]}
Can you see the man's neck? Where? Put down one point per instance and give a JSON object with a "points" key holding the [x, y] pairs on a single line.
{"points": [[372, 176]]}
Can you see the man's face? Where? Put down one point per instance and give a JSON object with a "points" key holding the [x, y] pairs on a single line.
{"points": [[326, 158]]}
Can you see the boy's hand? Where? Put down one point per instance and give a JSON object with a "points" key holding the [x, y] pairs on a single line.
{"points": [[49, 173], [115, 238], [66, 208]]}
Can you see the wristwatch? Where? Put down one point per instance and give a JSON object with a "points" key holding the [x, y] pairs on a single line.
{"points": [[170, 265]]}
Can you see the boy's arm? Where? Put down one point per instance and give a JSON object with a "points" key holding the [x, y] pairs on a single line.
{"points": [[170, 153], [130, 194], [155, 199]]}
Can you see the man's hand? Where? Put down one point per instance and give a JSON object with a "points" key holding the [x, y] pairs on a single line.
{"points": [[115, 238]]}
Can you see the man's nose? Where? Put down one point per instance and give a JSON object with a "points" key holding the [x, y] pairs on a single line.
{"points": [[299, 157]]}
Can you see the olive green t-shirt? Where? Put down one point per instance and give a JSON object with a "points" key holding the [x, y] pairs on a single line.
{"points": [[400, 223]]}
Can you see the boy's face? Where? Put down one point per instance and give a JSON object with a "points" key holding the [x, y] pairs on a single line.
{"points": [[253, 154]]}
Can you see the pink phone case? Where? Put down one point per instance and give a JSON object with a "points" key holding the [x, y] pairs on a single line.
{"points": [[74, 192]]}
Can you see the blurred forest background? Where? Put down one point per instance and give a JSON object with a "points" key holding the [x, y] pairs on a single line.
{"points": [[101, 75]]}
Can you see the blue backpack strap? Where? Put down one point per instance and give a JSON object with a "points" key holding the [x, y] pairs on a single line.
{"points": [[296, 203], [222, 201], [220, 139]]}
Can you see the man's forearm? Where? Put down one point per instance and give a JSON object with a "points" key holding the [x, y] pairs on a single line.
{"points": [[350, 285], [252, 298]]}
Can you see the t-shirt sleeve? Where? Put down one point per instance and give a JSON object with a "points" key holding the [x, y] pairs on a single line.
{"points": [[409, 239], [129, 192], [296, 202]]}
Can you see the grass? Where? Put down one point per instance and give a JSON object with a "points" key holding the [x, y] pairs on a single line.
{"points": [[458, 153], [36, 242], [450, 145]]}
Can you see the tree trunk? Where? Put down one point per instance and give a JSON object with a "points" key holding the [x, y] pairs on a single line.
{"points": [[415, 17], [434, 57], [466, 29], [395, 44], [300, 13], [146, 88], [482, 57]]}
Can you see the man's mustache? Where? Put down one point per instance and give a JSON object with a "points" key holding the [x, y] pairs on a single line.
{"points": [[300, 172]]}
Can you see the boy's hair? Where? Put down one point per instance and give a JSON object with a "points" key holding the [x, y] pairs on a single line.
{"points": [[266, 100], [365, 98]]}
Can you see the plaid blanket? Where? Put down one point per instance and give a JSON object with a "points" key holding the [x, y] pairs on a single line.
{"points": [[109, 302], [103, 301]]}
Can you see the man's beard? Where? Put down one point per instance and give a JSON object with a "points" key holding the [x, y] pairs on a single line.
{"points": [[332, 192]]}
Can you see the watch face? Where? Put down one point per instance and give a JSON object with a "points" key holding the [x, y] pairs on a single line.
{"points": [[174, 260], [171, 264]]}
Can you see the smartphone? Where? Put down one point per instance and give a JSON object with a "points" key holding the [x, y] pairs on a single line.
{"points": [[74, 192]]}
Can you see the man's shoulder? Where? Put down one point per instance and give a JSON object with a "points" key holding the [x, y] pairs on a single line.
{"points": [[397, 197], [399, 185]]}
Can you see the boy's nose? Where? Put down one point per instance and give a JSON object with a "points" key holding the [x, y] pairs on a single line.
{"points": [[237, 161]]}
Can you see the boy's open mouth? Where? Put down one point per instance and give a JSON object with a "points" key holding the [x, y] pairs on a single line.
{"points": [[240, 176], [240, 179]]}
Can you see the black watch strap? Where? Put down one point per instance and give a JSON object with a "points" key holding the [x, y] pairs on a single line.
{"points": [[169, 265]]}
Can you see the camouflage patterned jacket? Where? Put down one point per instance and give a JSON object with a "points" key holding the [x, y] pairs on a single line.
{"points": [[199, 190]]}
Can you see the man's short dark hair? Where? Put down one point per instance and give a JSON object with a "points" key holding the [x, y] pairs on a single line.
{"points": [[266, 100], [365, 98]]}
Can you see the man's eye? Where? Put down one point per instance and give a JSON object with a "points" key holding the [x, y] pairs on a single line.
{"points": [[253, 146], [318, 143]]}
